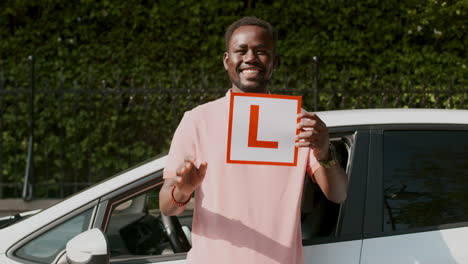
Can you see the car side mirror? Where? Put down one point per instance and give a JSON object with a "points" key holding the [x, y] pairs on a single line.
{"points": [[89, 247]]}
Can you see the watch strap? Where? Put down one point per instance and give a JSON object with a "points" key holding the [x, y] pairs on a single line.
{"points": [[332, 160]]}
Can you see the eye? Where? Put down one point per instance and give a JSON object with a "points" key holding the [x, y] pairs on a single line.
{"points": [[262, 52], [240, 51]]}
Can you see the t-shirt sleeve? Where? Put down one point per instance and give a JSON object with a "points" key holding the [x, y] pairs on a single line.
{"points": [[183, 146], [312, 165]]}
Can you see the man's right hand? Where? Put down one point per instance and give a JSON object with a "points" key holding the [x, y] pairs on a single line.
{"points": [[189, 177]]}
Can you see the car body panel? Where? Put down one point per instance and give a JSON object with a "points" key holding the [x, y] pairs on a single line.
{"points": [[4, 259], [443, 246], [341, 252]]}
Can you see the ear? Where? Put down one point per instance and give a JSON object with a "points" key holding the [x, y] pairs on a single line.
{"points": [[225, 60], [276, 62]]}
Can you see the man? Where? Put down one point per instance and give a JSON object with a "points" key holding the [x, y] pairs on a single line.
{"points": [[244, 213]]}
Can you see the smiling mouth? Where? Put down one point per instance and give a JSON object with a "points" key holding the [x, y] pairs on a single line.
{"points": [[251, 72]]}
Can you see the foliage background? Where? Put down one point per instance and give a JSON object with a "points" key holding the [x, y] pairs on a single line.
{"points": [[116, 76]]}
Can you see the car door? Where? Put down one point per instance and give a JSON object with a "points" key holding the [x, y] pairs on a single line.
{"points": [[337, 238], [416, 206], [135, 228]]}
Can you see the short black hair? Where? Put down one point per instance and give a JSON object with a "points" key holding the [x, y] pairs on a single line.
{"points": [[250, 21]]}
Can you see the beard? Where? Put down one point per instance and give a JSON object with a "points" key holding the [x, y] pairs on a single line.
{"points": [[259, 86]]}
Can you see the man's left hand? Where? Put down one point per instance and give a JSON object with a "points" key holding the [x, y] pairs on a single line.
{"points": [[313, 133]]}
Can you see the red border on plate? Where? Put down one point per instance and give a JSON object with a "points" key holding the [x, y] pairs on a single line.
{"points": [[231, 110]]}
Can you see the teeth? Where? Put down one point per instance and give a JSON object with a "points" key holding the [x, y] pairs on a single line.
{"points": [[250, 71]]}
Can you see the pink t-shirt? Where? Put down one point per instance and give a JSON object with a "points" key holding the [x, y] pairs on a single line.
{"points": [[243, 213]]}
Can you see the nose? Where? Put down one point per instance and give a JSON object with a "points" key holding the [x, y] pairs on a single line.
{"points": [[250, 56]]}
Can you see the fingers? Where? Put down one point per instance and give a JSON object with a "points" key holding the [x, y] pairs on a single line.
{"points": [[178, 179], [309, 139], [303, 144], [308, 135], [309, 115], [202, 170], [309, 123], [185, 168], [189, 168], [313, 131], [312, 122]]}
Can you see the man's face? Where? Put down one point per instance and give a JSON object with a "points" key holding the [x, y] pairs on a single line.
{"points": [[250, 59]]}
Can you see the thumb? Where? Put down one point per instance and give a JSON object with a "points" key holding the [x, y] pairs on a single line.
{"points": [[178, 179]]}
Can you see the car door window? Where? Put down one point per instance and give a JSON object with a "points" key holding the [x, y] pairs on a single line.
{"points": [[425, 179], [319, 216], [137, 228], [45, 247]]}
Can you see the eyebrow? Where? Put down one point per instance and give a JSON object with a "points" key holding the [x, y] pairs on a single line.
{"points": [[258, 46]]}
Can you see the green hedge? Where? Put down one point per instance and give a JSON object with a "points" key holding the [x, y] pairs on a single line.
{"points": [[114, 77], [128, 38]]}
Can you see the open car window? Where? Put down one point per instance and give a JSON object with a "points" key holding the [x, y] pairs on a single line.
{"points": [[136, 228], [319, 216]]}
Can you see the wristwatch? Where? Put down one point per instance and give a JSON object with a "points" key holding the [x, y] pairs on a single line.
{"points": [[332, 159]]}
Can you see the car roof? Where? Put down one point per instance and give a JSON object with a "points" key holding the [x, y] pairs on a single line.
{"points": [[359, 117]]}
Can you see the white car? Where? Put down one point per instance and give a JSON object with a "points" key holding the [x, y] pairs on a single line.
{"points": [[407, 202]]}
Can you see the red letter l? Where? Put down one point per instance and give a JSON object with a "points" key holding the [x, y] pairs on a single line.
{"points": [[253, 131]]}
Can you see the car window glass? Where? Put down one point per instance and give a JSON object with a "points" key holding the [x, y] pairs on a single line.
{"points": [[45, 247], [137, 228], [425, 178]]}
